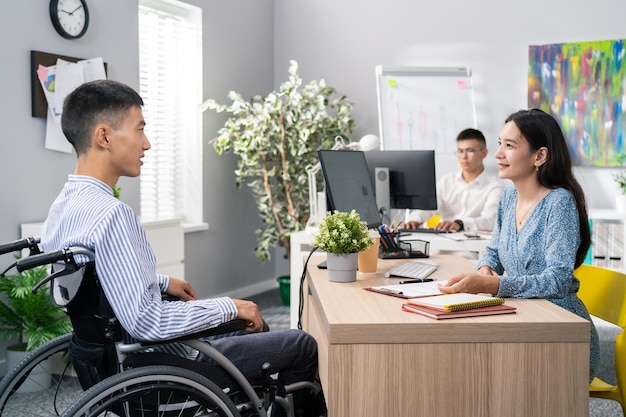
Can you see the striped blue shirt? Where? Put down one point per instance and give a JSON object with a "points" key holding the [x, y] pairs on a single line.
{"points": [[87, 214]]}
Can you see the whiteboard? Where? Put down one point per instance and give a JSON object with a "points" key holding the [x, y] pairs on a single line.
{"points": [[424, 107]]}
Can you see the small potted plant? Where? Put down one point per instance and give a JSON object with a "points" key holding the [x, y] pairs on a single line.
{"points": [[342, 235], [31, 318]]}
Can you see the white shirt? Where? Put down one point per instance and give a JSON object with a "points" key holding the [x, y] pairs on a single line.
{"points": [[475, 203]]}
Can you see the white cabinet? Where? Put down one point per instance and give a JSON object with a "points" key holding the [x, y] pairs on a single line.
{"points": [[166, 237]]}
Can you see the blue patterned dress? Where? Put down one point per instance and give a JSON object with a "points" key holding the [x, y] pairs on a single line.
{"points": [[539, 260]]}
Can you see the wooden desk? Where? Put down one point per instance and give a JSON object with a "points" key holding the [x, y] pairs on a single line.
{"points": [[301, 245], [376, 360]]}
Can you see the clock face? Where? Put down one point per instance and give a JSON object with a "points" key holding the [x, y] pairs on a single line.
{"points": [[69, 17]]}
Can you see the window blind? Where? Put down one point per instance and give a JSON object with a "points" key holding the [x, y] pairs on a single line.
{"points": [[170, 83]]}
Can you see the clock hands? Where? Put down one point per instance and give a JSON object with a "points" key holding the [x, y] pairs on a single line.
{"points": [[76, 9], [73, 11]]}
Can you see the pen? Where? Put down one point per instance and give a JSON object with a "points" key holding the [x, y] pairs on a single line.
{"points": [[415, 281], [391, 291]]}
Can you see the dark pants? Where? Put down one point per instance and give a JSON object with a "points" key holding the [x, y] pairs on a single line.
{"points": [[291, 353]]}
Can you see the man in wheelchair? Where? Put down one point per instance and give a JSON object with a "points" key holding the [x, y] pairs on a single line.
{"points": [[103, 121]]}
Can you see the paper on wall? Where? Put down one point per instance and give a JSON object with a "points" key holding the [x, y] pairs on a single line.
{"points": [[55, 139], [57, 82]]}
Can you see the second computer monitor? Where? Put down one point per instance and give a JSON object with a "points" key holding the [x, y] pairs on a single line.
{"points": [[406, 178]]}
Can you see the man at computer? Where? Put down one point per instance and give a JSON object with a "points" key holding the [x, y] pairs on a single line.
{"points": [[466, 200]]}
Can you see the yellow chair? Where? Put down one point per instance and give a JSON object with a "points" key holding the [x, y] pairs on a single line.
{"points": [[604, 293]]}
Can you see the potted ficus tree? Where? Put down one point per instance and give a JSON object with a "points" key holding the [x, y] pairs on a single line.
{"points": [[276, 137], [30, 318]]}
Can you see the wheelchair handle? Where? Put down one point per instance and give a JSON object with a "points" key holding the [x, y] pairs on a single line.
{"points": [[29, 242], [66, 254]]}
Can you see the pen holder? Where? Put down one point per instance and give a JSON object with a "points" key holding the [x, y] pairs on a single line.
{"points": [[392, 247]]}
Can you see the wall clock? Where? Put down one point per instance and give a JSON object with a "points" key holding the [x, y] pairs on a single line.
{"points": [[70, 18]]}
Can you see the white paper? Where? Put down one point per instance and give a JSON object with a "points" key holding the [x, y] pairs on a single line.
{"points": [[420, 289], [69, 76], [93, 69], [465, 236], [55, 139], [47, 77]]}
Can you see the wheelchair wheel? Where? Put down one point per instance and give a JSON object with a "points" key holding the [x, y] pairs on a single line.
{"points": [[21, 393], [155, 390]]}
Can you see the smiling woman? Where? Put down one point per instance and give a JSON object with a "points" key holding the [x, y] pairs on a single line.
{"points": [[542, 230]]}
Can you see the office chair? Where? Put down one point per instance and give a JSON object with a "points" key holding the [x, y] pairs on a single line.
{"points": [[603, 291]]}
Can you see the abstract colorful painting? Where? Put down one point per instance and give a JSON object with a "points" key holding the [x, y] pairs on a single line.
{"points": [[583, 85]]}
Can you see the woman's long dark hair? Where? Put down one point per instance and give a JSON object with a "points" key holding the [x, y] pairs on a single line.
{"points": [[540, 129]]}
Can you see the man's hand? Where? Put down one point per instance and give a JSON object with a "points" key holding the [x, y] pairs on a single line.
{"points": [[181, 289], [249, 311], [448, 225], [411, 225]]}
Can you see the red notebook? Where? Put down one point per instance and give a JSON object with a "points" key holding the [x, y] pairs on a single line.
{"points": [[437, 314]]}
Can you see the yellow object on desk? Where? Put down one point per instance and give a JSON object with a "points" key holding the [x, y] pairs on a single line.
{"points": [[433, 221]]}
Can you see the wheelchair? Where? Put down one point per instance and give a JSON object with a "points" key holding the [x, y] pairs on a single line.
{"points": [[127, 378]]}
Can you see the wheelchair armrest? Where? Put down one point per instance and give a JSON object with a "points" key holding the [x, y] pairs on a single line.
{"points": [[227, 327]]}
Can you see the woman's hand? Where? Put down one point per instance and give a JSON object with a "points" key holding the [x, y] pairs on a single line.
{"points": [[486, 270], [475, 282]]}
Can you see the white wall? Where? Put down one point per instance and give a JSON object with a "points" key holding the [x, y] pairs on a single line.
{"points": [[343, 41]]}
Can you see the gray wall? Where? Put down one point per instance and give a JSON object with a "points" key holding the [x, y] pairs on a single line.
{"points": [[343, 41], [238, 55]]}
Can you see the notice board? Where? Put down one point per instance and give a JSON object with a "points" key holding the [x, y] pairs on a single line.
{"points": [[424, 107]]}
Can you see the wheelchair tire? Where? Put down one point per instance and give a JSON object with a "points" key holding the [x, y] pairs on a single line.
{"points": [[64, 388], [154, 390]]}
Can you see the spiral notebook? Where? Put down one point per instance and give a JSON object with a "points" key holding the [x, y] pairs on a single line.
{"points": [[437, 314], [457, 301]]}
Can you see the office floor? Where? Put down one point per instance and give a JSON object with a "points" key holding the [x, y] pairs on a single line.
{"points": [[276, 314]]}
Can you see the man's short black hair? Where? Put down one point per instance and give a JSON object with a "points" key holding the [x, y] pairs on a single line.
{"points": [[100, 101], [472, 134]]}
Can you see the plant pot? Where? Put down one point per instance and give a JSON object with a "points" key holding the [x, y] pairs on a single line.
{"points": [[39, 378], [342, 267], [284, 283]]}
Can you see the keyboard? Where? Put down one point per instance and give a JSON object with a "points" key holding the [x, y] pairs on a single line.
{"points": [[423, 230], [412, 269]]}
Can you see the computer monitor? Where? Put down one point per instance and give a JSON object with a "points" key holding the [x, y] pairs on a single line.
{"points": [[411, 182], [348, 184]]}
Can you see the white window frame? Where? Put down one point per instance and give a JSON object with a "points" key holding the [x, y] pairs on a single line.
{"points": [[170, 61]]}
